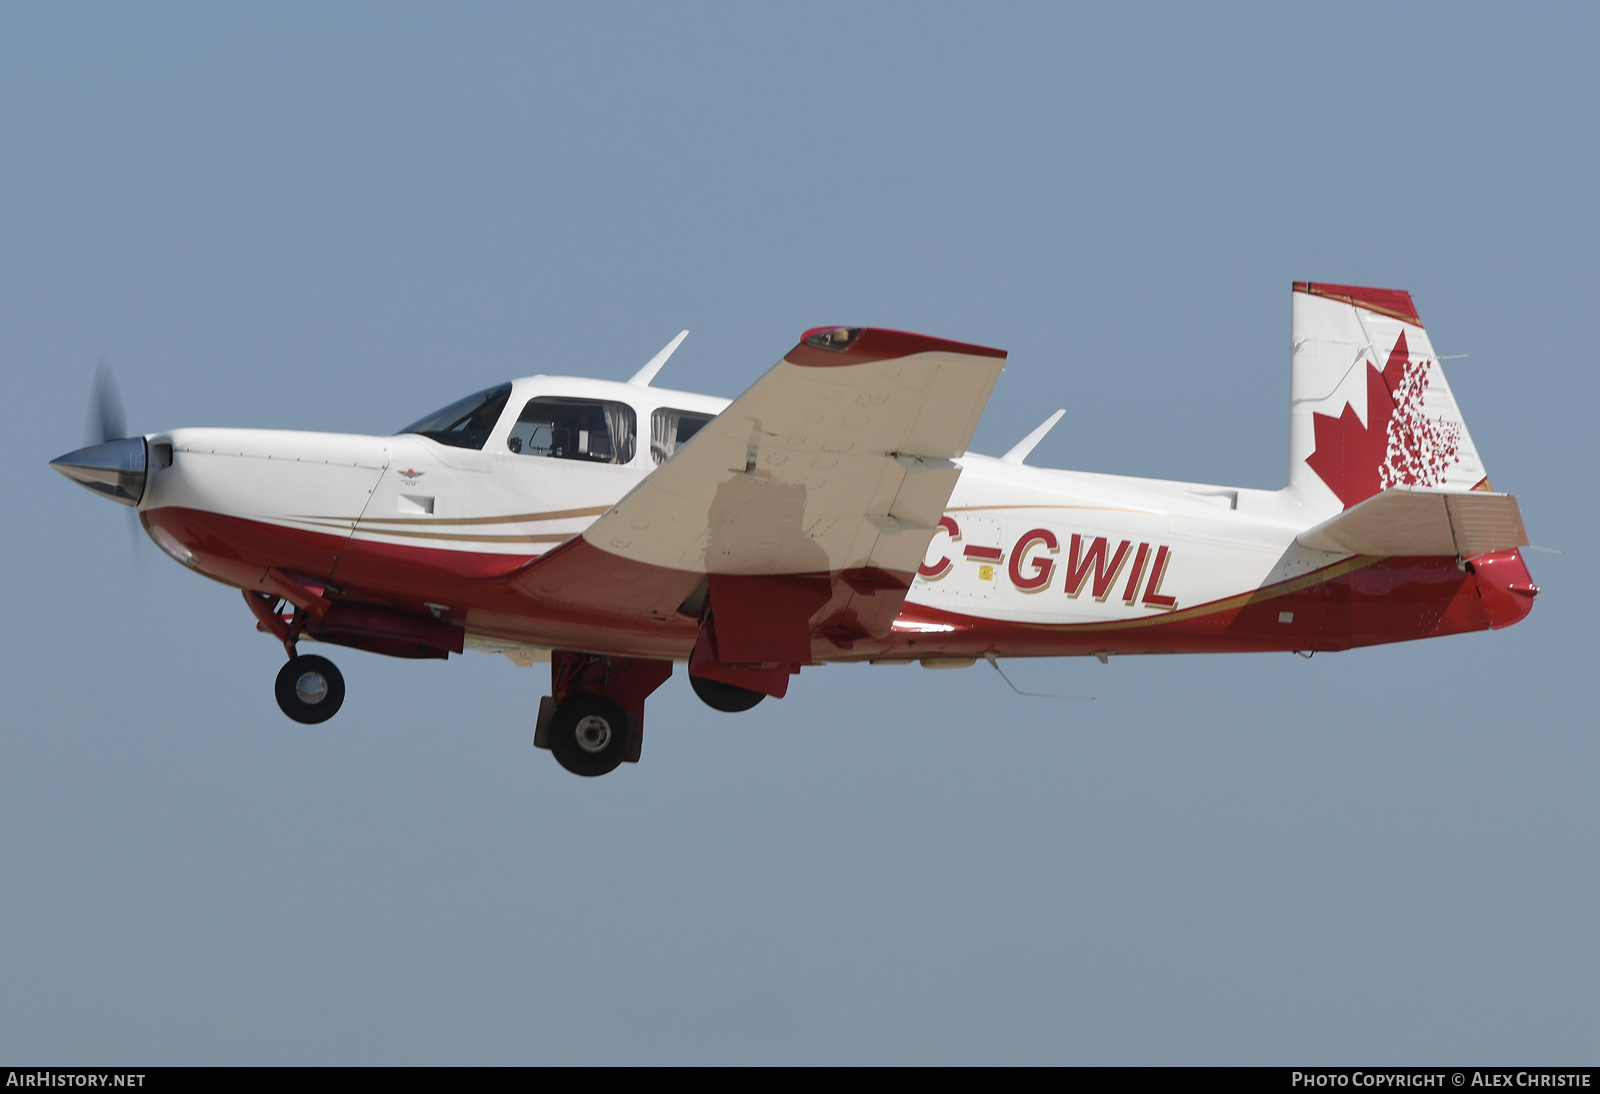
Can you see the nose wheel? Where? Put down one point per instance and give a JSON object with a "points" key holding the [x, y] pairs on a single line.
{"points": [[310, 689]]}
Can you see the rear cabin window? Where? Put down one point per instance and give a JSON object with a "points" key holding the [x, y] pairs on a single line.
{"points": [[669, 429], [575, 429], [466, 423]]}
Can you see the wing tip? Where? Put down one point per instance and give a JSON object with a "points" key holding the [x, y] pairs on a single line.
{"points": [[825, 347]]}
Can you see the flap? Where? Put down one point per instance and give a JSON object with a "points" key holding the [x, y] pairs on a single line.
{"points": [[1405, 521]]}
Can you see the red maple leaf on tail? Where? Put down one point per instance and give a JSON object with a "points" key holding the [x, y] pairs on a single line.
{"points": [[1399, 445]]}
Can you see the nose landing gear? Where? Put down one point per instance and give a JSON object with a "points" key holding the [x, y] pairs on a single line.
{"points": [[310, 689]]}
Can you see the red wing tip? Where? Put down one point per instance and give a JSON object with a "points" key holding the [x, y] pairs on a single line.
{"points": [[824, 346], [1392, 302], [814, 331]]}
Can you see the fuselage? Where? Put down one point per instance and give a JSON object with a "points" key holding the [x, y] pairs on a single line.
{"points": [[1025, 562]]}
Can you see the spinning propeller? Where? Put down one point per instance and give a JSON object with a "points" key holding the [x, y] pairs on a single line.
{"points": [[106, 421], [111, 463]]}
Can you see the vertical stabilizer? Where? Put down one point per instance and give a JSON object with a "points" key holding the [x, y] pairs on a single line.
{"points": [[1370, 407]]}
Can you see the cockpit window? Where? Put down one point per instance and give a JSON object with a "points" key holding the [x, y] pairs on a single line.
{"points": [[466, 423], [669, 429], [574, 429]]}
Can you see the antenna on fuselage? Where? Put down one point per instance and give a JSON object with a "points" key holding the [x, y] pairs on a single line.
{"points": [[1020, 451], [643, 377]]}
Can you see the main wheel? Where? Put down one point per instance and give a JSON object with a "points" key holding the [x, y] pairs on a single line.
{"points": [[727, 698], [310, 689], [590, 735]]}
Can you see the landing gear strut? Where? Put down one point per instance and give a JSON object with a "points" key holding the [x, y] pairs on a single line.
{"points": [[310, 689]]}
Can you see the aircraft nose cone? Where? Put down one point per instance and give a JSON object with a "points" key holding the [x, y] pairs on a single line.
{"points": [[115, 468]]}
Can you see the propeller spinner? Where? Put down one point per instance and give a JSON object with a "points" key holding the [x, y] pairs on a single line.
{"points": [[112, 464]]}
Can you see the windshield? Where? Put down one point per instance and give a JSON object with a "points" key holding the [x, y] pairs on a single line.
{"points": [[467, 422]]}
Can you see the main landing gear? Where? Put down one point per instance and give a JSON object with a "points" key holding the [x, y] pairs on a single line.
{"points": [[590, 735], [728, 698], [594, 718]]}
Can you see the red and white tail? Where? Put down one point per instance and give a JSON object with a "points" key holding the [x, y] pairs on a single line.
{"points": [[1370, 406]]}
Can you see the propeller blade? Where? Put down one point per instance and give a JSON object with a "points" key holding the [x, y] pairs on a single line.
{"points": [[106, 421], [136, 538], [111, 462]]}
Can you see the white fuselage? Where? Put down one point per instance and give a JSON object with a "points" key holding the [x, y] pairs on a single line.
{"points": [[501, 508]]}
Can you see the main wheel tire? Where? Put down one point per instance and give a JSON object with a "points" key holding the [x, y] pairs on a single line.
{"points": [[727, 698], [310, 689], [590, 735]]}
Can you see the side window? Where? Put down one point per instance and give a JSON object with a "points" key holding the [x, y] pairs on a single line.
{"points": [[574, 429], [671, 428]]}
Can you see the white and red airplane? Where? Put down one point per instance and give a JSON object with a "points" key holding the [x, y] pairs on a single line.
{"points": [[830, 513]]}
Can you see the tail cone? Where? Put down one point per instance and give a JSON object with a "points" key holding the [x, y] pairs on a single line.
{"points": [[1506, 587]]}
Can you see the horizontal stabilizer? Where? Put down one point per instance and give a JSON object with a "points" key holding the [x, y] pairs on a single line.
{"points": [[1414, 522]]}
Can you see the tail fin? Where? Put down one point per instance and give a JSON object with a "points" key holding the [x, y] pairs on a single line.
{"points": [[1370, 407]]}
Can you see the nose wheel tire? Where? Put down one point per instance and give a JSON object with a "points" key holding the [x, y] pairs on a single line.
{"points": [[590, 735], [310, 689]]}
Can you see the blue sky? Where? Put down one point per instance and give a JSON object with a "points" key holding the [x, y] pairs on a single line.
{"points": [[343, 218]]}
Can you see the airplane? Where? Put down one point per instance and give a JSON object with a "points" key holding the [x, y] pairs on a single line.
{"points": [[831, 513]]}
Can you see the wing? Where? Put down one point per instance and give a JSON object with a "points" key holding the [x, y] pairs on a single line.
{"points": [[839, 458], [817, 491]]}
